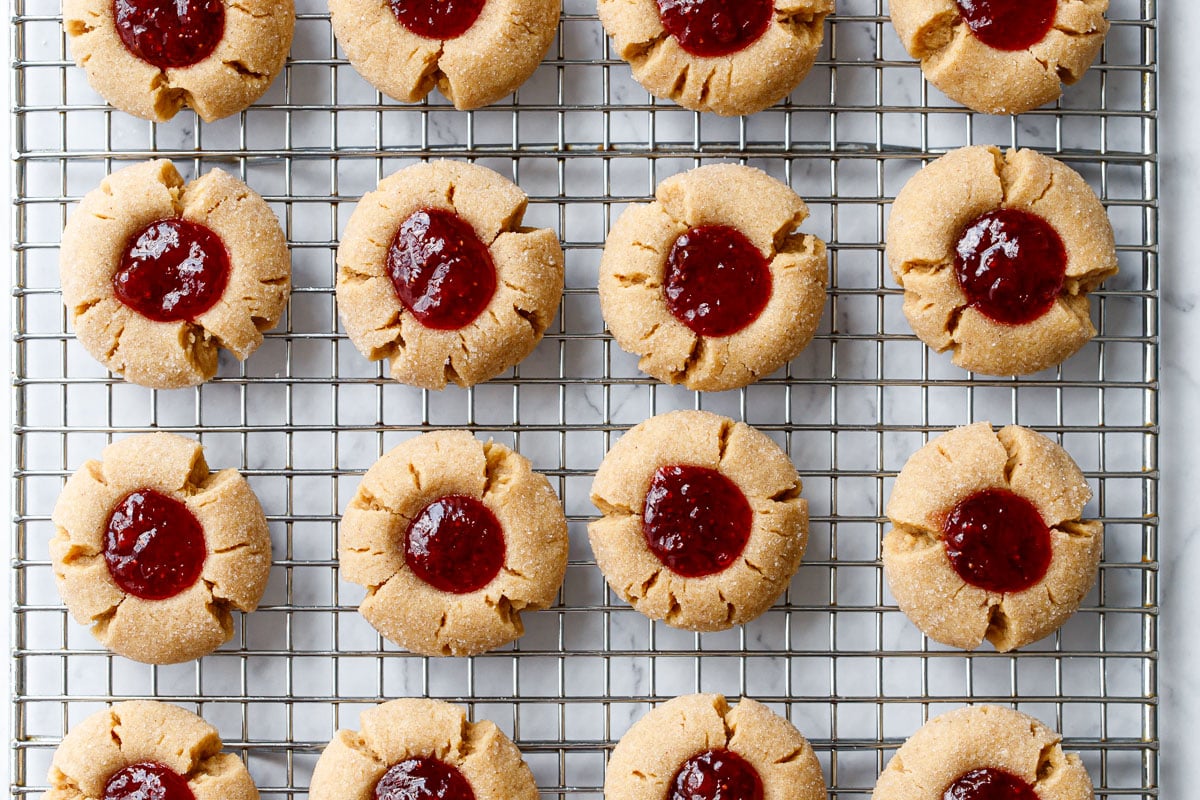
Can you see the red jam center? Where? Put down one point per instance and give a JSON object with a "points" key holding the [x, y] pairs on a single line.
{"points": [[423, 779], [717, 775], [170, 33], [989, 784], [998, 541], [1011, 265], [154, 545], [696, 521], [717, 282], [716, 27], [437, 19], [1009, 24], [442, 273], [147, 781], [172, 270], [455, 544]]}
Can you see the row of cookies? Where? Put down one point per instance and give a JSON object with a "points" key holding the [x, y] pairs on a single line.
{"points": [[730, 57]]}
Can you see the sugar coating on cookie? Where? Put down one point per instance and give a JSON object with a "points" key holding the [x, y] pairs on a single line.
{"points": [[963, 50], [129, 275], [716, 55], [732, 570], [140, 56], [422, 739], [978, 238], [696, 737], [395, 270], [405, 55], [981, 744], [128, 564], [121, 746], [959, 535], [453, 538], [662, 256]]}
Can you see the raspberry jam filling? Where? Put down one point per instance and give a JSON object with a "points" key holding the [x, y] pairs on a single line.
{"points": [[147, 781], [717, 775], [989, 784], [455, 544], [154, 545], [171, 34], [437, 19], [717, 282], [998, 541], [716, 27], [1011, 265], [440, 269], [172, 270], [424, 778], [1009, 24], [696, 521]]}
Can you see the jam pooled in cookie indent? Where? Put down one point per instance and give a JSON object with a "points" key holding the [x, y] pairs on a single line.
{"points": [[998, 541], [1011, 265], [989, 784], [154, 545], [171, 34], [423, 778], [172, 270], [716, 775], [437, 19], [709, 28], [717, 282], [455, 544], [147, 780], [1009, 24], [440, 269], [696, 521]]}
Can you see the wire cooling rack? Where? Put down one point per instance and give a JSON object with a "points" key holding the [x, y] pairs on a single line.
{"points": [[306, 414]]}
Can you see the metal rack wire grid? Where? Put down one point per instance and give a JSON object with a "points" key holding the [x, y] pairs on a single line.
{"points": [[306, 414]]}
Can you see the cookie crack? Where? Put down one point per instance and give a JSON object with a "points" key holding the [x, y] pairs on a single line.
{"points": [[918, 534], [245, 70]]}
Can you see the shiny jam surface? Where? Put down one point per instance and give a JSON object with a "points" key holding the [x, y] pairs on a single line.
{"points": [[989, 784], [455, 544], [696, 521], [147, 781], [998, 541], [440, 269], [172, 270], [717, 282], [709, 28], [437, 19], [423, 779], [1011, 265], [168, 34], [1009, 24], [154, 545], [716, 775]]}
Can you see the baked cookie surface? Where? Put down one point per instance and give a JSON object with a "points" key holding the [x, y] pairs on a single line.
{"points": [[987, 539], [138, 748], [159, 275], [150, 59], [701, 738], [460, 313], [710, 284], [154, 552], [723, 56], [703, 525], [997, 254], [1036, 45]]}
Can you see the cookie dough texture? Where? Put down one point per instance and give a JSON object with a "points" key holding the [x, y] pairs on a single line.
{"points": [[399, 730], [928, 218], [633, 274], [139, 731], [497, 54], [644, 763], [762, 471], [529, 277], [252, 51], [172, 355], [977, 737], [410, 612], [995, 81], [199, 619], [744, 82], [950, 469]]}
